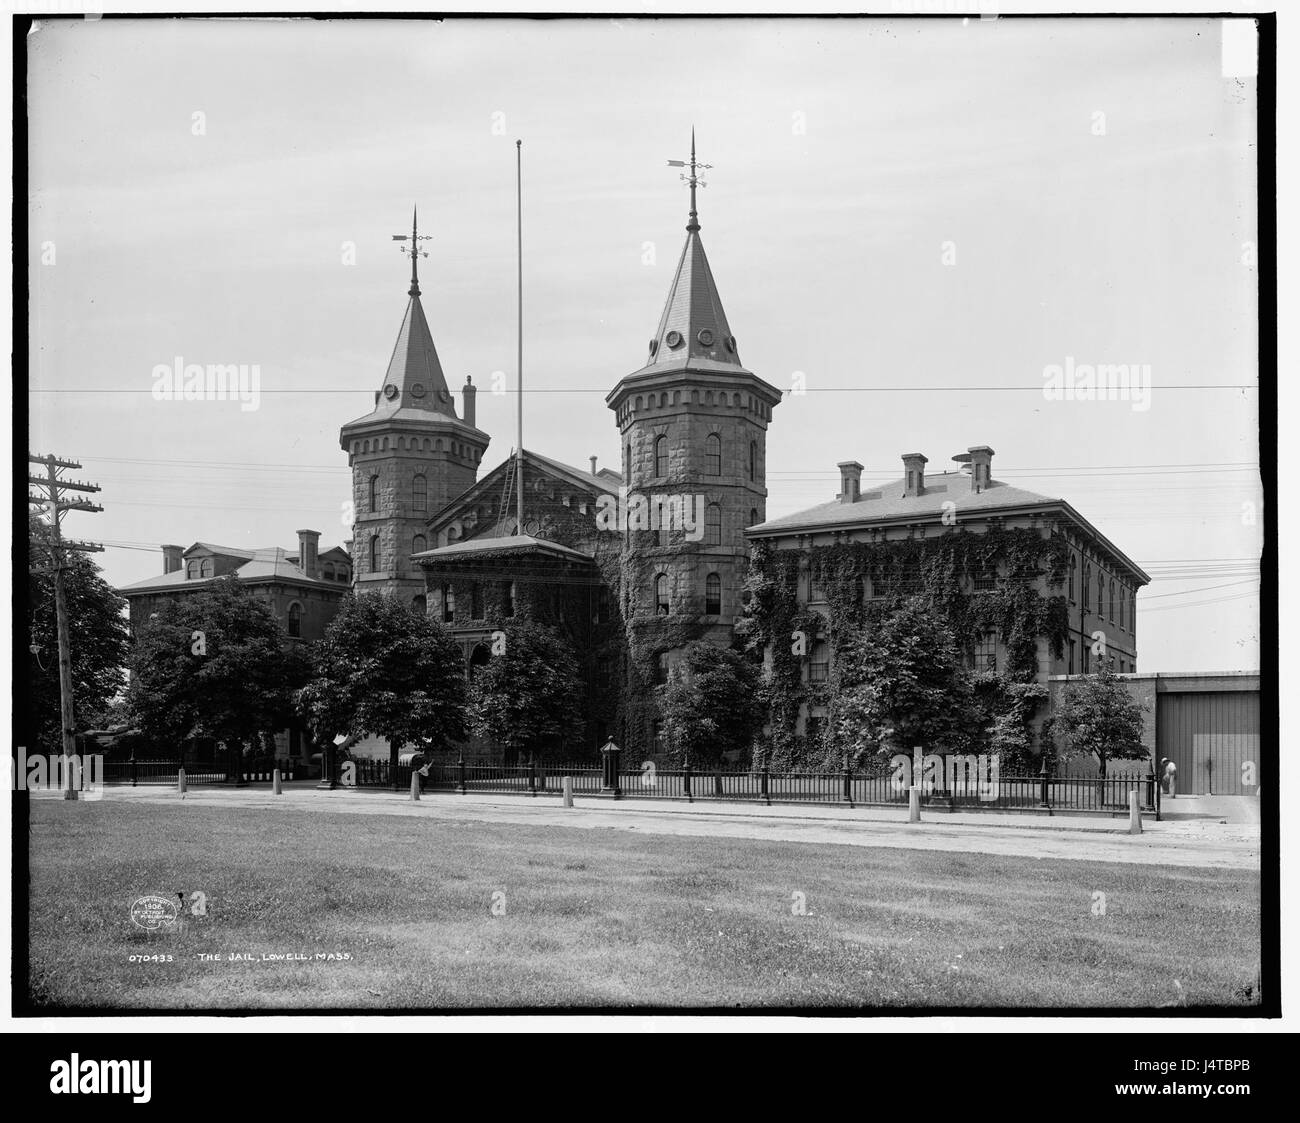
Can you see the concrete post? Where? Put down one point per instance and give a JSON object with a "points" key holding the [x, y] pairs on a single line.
{"points": [[913, 804], [275, 782], [1134, 813], [415, 784], [568, 791], [180, 781]]}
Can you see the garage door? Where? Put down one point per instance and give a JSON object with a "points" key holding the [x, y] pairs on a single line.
{"points": [[1214, 740]]}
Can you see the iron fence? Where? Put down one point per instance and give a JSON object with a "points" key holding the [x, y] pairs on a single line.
{"points": [[136, 773]]}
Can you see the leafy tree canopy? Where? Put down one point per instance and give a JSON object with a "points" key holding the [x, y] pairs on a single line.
{"points": [[712, 705], [1096, 716]]}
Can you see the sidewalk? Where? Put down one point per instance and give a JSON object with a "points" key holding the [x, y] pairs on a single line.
{"points": [[1180, 842]]}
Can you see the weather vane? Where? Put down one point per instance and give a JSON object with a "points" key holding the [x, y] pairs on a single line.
{"points": [[414, 238], [694, 179]]}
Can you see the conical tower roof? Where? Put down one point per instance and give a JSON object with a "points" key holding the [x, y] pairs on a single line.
{"points": [[414, 379], [693, 327]]}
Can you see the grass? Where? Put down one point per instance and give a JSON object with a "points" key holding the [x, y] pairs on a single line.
{"points": [[603, 918]]}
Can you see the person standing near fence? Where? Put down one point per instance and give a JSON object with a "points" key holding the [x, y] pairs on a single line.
{"points": [[1171, 778]]}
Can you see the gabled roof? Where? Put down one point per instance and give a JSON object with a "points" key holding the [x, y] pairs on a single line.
{"points": [[490, 547], [224, 551], [270, 563]]}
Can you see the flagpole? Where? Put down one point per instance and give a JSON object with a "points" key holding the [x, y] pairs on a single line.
{"points": [[519, 246]]}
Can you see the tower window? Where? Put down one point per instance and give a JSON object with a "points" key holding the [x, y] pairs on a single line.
{"points": [[419, 544], [753, 459], [713, 595], [753, 516], [374, 553], [713, 455], [420, 494], [661, 595], [661, 457], [374, 494], [295, 619], [713, 525], [627, 462]]}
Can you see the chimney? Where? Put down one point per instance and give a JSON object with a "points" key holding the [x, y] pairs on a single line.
{"points": [[593, 464], [981, 467], [850, 481], [913, 474], [308, 544], [172, 558], [469, 395]]}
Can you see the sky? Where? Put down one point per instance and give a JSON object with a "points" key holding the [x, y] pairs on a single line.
{"points": [[910, 220]]}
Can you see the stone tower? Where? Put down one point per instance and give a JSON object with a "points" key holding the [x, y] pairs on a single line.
{"points": [[694, 424], [409, 456]]}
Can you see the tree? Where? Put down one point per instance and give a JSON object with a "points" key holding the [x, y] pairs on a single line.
{"points": [[387, 670], [212, 663], [100, 642], [1009, 731], [712, 705], [902, 685], [529, 694], [1098, 717]]}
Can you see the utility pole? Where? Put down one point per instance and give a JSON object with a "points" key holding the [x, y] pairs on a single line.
{"points": [[53, 506]]}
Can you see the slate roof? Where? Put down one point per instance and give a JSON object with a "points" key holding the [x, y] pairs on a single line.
{"points": [[271, 563], [490, 547]]}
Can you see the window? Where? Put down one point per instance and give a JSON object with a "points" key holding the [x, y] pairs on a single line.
{"points": [[1074, 577], [661, 595], [448, 604], [986, 653], [986, 579], [713, 455], [627, 462], [507, 598], [1087, 588], [374, 494], [819, 668], [374, 553], [192, 570], [753, 459], [420, 604], [859, 590], [816, 587], [661, 457], [661, 668], [205, 567], [419, 544], [1111, 614], [713, 595], [295, 619], [1101, 593], [665, 529], [1069, 665], [476, 601], [1083, 648], [753, 516], [713, 525], [419, 494]]}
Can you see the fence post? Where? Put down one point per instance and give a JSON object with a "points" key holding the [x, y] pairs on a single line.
{"points": [[848, 782], [762, 788], [1155, 790], [686, 781], [1134, 812], [415, 785], [135, 770], [180, 780], [532, 773], [275, 782], [913, 804], [568, 791], [460, 767], [1044, 800]]}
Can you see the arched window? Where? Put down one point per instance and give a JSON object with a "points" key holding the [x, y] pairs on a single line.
{"points": [[1087, 588], [753, 516], [753, 459], [1101, 593], [713, 595], [661, 595], [419, 544], [1112, 599], [374, 494], [295, 619], [192, 570], [205, 567], [374, 553], [627, 462], [661, 457], [1122, 599], [481, 656], [420, 604], [1074, 577], [713, 455], [713, 525], [419, 494]]}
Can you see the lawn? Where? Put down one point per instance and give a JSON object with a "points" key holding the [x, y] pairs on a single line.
{"points": [[396, 912]]}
